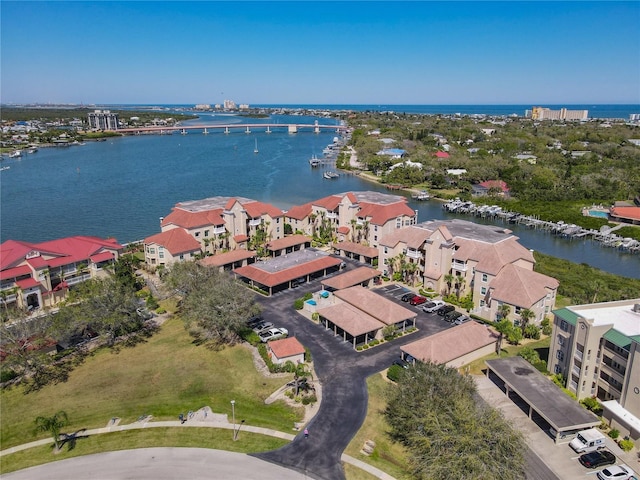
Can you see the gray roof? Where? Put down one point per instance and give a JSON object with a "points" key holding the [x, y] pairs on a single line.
{"points": [[470, 230], [544, 396]]}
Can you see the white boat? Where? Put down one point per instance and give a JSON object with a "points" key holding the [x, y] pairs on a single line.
{"points": [[255, 150], [15, 154], [330, 175], [421, 195], [314, 161], [5, 168]]}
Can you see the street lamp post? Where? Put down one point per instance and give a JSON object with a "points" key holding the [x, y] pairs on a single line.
{"points": [[233, 415]]}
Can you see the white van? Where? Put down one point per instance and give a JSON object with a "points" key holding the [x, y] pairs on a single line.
{"points": [[588, 441]]}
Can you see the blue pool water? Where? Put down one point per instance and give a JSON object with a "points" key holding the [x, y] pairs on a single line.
{"points": [[598, 213]]}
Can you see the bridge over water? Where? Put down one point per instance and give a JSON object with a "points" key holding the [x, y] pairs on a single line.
{"points": [[228, 128]]}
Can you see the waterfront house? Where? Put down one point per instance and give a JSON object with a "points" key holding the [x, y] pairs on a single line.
{"points": [[165, 248], [461, 257], [596, 348], [36, 275], [498, 187]]}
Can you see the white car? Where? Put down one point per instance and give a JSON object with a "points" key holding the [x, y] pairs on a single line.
{"points": [[616, 472], [432, 306], [273, 334]]}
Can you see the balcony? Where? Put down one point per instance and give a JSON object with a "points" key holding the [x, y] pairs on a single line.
{"points": [[77, 279], [459, 266], [578, 355], [332, 215], [411, 253], [219, 230], [611, 373], [254, 222], [576, 370]]}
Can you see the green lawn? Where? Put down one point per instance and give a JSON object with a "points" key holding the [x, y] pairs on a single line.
{"points": [[163, 377], [542, 346], [388, 456]]}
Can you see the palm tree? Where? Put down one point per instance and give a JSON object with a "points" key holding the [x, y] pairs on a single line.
{"points": [[525, 316], [53, 425], [503, 311], [449, 278], [460, 282], [502, 327]]}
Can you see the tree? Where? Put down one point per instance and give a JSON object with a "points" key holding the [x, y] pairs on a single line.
{"points": [[53, 425], [526, 315], [449, 278], [503, 327], [214, 306], [432, 412], [503, 311]]}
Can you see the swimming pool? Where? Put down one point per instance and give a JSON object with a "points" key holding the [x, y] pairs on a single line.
{"points": [[598, 213]]}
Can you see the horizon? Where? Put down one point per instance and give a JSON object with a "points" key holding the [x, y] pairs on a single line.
{"points": [[321, 53]]}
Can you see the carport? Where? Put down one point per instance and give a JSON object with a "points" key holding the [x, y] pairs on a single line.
{"points": [[541, 397], [358, 276], [353, 325], [356, 251]]}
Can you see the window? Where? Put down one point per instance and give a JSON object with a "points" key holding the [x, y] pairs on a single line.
{"points": [[161, 253], [557, 369], [560, 340], [398, 222], [181, 257], [206, 233], [375, 238], [564, 326], [385, 250], [197, 234], [485, 277], [483, 290], [560, 355], [375, 228], [482, 303]]}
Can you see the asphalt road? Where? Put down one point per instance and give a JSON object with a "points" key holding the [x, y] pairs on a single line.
{"points": [[343, 372]]}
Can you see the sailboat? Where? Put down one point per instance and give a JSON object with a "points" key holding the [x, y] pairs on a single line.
{"points": [[255, 150]]}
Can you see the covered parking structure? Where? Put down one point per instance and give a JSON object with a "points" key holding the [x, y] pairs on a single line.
{"points": [[359, 276], [540, 398], [279, 273], [353, 325], [356, 251], [229, 260], [288, 244]]}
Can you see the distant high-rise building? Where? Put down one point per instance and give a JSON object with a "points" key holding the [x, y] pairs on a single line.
{"points": [[634, 117], [229, 105], [103, 120], [542, 113], [203, 106]]}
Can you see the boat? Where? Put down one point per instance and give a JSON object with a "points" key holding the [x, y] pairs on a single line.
{"points": [[15, 154], [314, 161], [255, 150], [5, 168], [330, 175], [421, 195]]}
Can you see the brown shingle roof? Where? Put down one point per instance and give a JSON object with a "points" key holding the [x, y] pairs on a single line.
{"points": [[290, 241], [351, 278], [286, 347], [369, 252], [492, 257], [521, 287], [351, 319], [381, 214], [226, 258], [269, 279], [450, 344], [378, 307], [413, 237]]}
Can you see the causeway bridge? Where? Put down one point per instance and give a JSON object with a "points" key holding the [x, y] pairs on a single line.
{"points": [[234, 127]]}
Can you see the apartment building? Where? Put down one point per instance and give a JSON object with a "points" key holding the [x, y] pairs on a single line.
{"points": [[217, 224], [596, 347], [358, 217], [103, 120], [541, 113], [37, 275], [458, 256]]}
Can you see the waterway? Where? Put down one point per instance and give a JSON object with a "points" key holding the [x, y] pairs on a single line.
{"points": [[121, 187]]}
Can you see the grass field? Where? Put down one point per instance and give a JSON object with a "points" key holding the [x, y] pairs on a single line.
{"points": [[163, 377], [388, 456], [542, 346]]}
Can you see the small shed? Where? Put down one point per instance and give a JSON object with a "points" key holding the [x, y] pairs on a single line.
{"points": [[286, 350]]}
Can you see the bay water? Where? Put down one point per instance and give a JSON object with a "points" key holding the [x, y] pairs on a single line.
{"points": [[121, 187]]}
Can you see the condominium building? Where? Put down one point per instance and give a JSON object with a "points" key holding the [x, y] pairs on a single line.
{"points": [[596, 347], [541, 113], [458, 256], [37, 275], [103, 120]]}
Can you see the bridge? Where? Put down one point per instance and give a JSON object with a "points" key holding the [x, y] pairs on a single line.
{"points": [[246, 127]]}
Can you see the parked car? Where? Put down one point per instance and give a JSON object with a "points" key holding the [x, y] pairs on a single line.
{"points": [[462, 319], [452, 316], [442, 311], [407, 296], [253, 321], [417, 300], [144, 313], [298, 281], [616, 472], [597, 459], [260, 326], [401, 362], [432, 306], [273, 334]]}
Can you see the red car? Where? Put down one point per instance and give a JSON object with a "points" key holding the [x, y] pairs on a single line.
{"points": [[417, 300]]}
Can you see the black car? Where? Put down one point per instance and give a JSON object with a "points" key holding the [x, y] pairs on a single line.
{"points": [[407, 296], [442, 311], [452, 316], [596, 459], [401, 363]]}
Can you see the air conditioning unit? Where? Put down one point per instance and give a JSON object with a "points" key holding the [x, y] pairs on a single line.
{"points": [[636, 308]]}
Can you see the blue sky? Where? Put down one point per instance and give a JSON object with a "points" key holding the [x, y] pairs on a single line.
{"points": [[320, 52]]}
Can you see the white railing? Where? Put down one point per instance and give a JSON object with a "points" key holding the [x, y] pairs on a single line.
{"points": [[414, 253], [219, 230], [461, 266], [253, 223], [332, 215]]}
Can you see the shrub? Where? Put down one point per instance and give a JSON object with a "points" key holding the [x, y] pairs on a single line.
{"points": [[514, 336], [298, 304], [152, 303], [389, 332], [309, 399], [7, 374], [626, 445], [307, 355], [365, 346], [160, 311], [530, 355], [359, 348], [541, 366], [373, 343], [592, 404], [614, 433], [315, 316], [532, 331], [546, 327], [394, 372]]}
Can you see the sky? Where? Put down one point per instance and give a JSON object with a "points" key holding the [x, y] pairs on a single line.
{"points": [[304, 52]]}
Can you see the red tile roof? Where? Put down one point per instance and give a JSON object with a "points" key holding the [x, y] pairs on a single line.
{"points": [[176, 241], [28, 283], [351, 278], [381, 214], [286, 347], [630, 213], [343, 230], [501, 184], [299, 212], [269, 279], [441, 155], [521, 287], [350, 319], [240, 238], [189, 220], [379, 307], [15, 272], [370, 252], [101, 257], [258, 209], [330, 203]]}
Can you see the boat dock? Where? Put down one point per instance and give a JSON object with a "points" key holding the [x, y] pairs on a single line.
{"points": [[606, 236]]}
